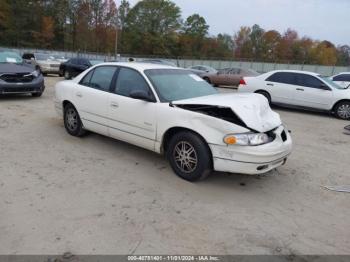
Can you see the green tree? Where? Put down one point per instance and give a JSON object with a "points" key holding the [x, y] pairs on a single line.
{"points": [[152, 26], [196, 26]]}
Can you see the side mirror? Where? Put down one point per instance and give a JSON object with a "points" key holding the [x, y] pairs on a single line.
{"points": [[141, 95], [324, 87]]}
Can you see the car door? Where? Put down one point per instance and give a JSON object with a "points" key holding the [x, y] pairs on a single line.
{"points": [[281, 87], [343, 80], [219, 78], [312, 92], [233, 77], [132, 120], [91, 96]]}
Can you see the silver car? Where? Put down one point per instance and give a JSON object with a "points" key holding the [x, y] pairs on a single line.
{"points": [[46, 63]]}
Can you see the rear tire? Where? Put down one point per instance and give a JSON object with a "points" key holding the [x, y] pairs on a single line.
{"points": [[265, 94], [189, 156], [342, 110], [72, 121]]}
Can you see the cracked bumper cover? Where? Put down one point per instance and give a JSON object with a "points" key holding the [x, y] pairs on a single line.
{"points": [[252, 159]]}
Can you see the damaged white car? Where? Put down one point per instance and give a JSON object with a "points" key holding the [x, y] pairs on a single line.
{"points": [[174, 112]]}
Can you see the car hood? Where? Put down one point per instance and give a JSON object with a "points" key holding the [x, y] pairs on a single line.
{"points": [[15, 68], [48, 62], [252, 109]]}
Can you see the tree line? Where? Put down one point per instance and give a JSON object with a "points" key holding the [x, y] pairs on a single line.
{"points": [[152, 28]]}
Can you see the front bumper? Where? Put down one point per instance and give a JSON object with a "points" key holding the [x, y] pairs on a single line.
{"points": [[35, 86], [49, 70], [253, 159]]}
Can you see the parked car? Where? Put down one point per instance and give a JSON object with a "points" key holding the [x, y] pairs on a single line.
{"points": [[172, 111], [17, 77], [60, 58], [342, 79], [205, 69], [228, 76], [300, 89], [75, 66], [46, 63]]}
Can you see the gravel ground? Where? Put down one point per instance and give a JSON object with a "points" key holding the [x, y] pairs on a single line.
{"points": [[96, 195]]}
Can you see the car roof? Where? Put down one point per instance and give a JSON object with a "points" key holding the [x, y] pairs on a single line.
{"points": [[294, 71], [141, 66]]}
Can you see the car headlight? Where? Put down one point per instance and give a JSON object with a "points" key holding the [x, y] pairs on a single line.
{"points": [[36, 73], [247, 139]]}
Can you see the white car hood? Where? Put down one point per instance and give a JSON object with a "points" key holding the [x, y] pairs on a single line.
{"points": [[252, 109]]}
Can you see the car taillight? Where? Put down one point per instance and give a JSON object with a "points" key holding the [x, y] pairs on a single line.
{"points": [[242, 82]]}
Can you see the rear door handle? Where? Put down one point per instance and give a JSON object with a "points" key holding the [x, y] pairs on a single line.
{"points": [[114, 104], [269, 84], [79, 94], [300, 89]]}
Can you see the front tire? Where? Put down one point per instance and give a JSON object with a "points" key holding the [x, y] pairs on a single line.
{"points": [[72, 121], [342, 110], [189, 156]]}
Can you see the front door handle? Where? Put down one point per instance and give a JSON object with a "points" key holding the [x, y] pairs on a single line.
{"points": [[79, 94], [300, 89], [114, 104]]}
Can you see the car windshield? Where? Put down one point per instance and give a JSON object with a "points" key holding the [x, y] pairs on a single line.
{"points": [[43, 57], [10, 57], [58, 57], [95, 62], [331, 83], [175, 84]]}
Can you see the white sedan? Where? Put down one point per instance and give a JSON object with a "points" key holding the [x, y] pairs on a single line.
{"points": [[300, 89], [174, 112]]}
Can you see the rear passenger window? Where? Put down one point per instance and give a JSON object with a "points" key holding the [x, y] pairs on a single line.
{"points": [[283, 77], [100, 78], [342, 78], [130, 80], [86, 80], [308, 81]]}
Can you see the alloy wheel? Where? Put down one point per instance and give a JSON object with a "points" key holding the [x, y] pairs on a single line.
{"points": [[72, 119], [344, 111], [185, 157]]}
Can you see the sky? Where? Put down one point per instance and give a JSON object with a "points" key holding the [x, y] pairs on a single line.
{"points": [[318, 19]]}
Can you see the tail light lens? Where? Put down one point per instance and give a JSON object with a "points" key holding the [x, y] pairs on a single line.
{"points": [[242, 82]]}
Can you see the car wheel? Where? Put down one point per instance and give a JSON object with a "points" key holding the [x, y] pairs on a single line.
{"points": [[265, 94], [72, 121], [189, 156], [342, 110], [67, 75]]}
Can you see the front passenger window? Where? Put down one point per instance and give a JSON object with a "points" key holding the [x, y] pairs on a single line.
{"points": [[129, 80]]}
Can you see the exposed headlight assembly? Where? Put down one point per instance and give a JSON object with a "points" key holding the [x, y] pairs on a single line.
{"points": [[247, 139], [35, 73]]}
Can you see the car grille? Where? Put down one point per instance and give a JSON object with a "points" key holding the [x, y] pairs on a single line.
{"points": [[18, 89], [17, 78]]}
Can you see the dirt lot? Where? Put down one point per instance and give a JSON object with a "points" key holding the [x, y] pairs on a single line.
{"points": [[100, 196]]}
